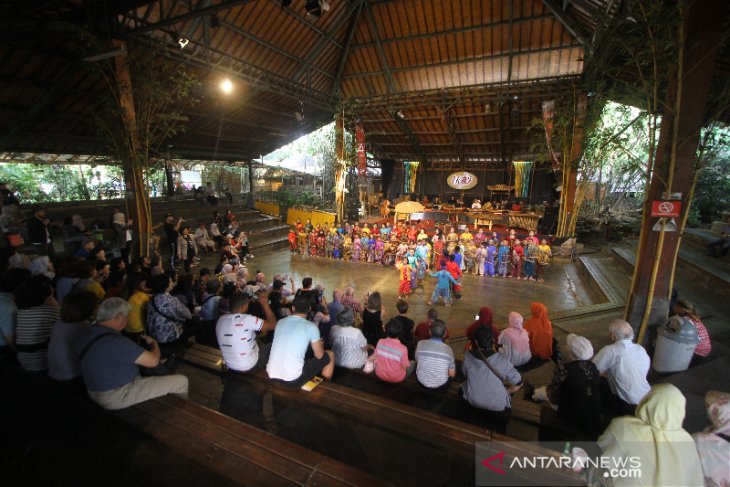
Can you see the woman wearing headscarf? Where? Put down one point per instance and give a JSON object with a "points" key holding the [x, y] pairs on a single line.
{"points": [[713, 444], [666, 452], [540, 331], [484, 318], [575, 386], [514, 341]]}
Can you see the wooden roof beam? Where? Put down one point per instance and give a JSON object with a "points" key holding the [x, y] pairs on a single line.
{"points": [[569, 23], [381, 52], [412, 139], [461, 30], [453, 133], [346, 50], [170, 20], [451, 62], [305, 21], [306, 63]]}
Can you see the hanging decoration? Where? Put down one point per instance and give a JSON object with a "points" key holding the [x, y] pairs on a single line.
{"points": [[410, 171], [362, 158], [523, 174]]}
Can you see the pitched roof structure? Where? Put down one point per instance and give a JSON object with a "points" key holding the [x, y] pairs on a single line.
{"points": [[452, 82]]}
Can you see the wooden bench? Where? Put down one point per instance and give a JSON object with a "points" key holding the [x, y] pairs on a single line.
{"points": [[413, 425], [241, 453]]}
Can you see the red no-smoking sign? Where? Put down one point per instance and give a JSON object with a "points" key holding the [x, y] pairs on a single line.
{"points": [[666, 209]]}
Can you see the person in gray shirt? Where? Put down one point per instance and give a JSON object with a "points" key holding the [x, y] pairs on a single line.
{"points": [[434, 359], [490, 376]]}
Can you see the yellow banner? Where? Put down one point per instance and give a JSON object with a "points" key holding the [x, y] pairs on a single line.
{"points": [[317, 217], [267, 208]]}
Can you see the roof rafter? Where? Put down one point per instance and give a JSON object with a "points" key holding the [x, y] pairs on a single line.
{"points": [[569, 23], [306, 63], [381, 52], [346, 50]]}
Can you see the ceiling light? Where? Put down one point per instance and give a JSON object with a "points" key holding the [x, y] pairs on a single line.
{"points": [[183, 42], [400, 114], [316, 7], [487, 108], [226, 86]]}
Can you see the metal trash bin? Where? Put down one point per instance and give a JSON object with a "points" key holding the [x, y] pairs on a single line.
{"points": [[675, 345]]}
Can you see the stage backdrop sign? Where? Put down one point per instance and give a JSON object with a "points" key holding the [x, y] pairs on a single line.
{"points": [[461, 180]]}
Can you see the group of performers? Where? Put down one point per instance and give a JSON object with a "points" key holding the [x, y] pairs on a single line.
{"points": [[413, 252]]}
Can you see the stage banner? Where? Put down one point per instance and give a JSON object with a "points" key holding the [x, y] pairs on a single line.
{"points": [[523, 175], [362, 158], [461, 180], [410, 172]]}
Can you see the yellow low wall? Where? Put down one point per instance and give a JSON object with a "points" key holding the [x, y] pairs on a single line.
{"points": [[317, 217], [267, 208]]}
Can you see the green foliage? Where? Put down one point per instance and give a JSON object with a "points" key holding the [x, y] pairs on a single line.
{"points": [[712, 192], [40, 183]]}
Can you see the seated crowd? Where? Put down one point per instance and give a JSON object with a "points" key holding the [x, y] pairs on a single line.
{"points": [[108, 329]]}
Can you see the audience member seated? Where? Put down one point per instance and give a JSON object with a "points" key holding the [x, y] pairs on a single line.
{"points": [[372, 319], [423, 330], [11, 280], [77, 312], [37, 312], [484, 318], [490, 376], [68, 276], [115, 284], [203, 240], [434, 359], [236, 333], [713, 444], [293, 338], [42, 266], [88, 277], [687, 311], [391, 356], [575, 386], [348, 343], [665, 451], [349, 301], [110, 362], [209, 310], [183, 291], [167, 317], [540, 331], [335, 306], [514, 341], [86, 248], [623, 366], [277, 300], [138, 300], [408, 327]]}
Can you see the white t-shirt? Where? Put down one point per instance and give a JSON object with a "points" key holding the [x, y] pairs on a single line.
{"points": [[347, 344], [293, 337], [627, 365], [237, 340]]}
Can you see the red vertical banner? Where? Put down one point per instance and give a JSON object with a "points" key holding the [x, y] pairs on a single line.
{"points": [[362, 158]]}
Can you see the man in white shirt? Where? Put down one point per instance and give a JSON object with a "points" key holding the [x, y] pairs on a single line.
{"points": [[624, 365], [294, 336], [236, 333]]}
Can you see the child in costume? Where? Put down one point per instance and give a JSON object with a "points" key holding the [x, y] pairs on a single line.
{"points": [[356, 248], [347, 248], [292, 241], [313, 243], [530, 258], [413, 262], [438, 245], [443, 287], [365, 244], [379, 249], [544, 253], [371, 248], [337, 245], [481, 257], [421, 261], [490, 257], [503, 257], [455, 270], [328, 244], [451, 240], [518, 256], [320, 243], [470, 257], [404, 272], [303, 242]]}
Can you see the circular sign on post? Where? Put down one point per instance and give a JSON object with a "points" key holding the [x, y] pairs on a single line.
{"points": [[461, 180]]}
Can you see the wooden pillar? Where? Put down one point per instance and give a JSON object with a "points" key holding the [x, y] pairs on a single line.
{"points": [[251, 200], [340, 167], [682, 118], [567, 214], [136, 197]]}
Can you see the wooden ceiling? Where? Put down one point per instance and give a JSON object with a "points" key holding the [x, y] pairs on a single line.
{"points": [[451, 82]]}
